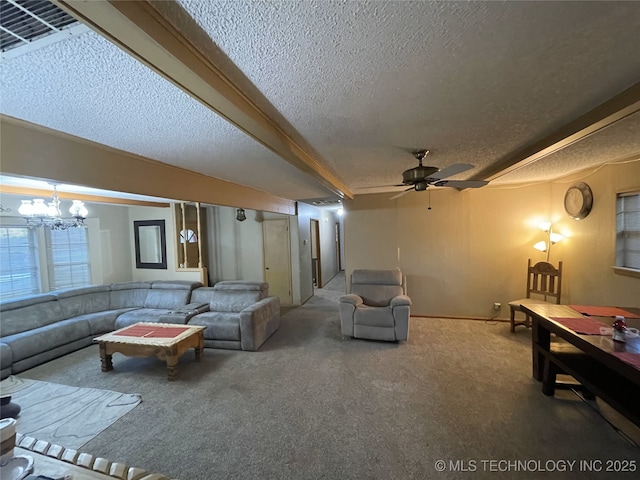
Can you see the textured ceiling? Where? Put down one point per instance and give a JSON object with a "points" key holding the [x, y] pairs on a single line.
{"points": [[619, 142], [471, 81], [71, 86], [363, 83]]}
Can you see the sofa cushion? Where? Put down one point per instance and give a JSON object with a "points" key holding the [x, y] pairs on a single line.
{"points": [[226, 300], [220, 325], [80, 301], [376, 295], [75, 291], [175, 285], [6, 359], [377, 287], [373, 316], [374, 333], [167, 299], [129, 295], [130, 286], [37, 340], [103, 322], [243, 285], [27, 313], [15, 303], [50, 354], [149, 315]]}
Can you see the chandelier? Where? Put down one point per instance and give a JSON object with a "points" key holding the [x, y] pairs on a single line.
{"points": [[40, 214]]}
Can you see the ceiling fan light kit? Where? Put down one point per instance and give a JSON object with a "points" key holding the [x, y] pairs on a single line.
{"points": [[417, 174], [420, 178]]}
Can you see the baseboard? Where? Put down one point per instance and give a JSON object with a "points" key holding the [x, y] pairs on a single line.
{"points": [[479, 319]]}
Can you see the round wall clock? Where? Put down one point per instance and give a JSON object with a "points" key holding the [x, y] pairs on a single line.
{"points": [[578, 200]]}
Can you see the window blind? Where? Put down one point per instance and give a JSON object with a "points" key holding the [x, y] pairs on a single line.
{"points": [[18, 262], [628, 230], [68, 258]]}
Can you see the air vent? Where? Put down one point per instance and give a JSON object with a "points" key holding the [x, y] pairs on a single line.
{"points": [[25, 22]]}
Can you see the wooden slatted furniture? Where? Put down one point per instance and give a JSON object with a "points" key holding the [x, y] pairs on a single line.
{"points": [[596, 361], [167, 341], [544, 281]]}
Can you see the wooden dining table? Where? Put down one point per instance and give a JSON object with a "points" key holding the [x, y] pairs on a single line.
{"points": [[606, 368]]}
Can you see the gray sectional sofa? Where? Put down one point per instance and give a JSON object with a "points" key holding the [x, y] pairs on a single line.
{"points": [[239, 315], [38, 328]]}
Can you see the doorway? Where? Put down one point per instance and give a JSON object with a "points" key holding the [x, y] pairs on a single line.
{"points": [[316, 266], [338, 247], [277, 258]]}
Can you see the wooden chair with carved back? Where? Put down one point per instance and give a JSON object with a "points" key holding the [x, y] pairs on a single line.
{"points": [[544, 282]]}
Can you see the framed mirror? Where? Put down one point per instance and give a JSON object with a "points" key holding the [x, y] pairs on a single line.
{"points": [[151, 244]]}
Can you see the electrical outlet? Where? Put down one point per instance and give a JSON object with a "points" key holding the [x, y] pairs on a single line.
{"points": [[497, 306]]}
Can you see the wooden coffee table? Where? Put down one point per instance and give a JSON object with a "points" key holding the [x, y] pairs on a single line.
{"points": [[167, 341]]}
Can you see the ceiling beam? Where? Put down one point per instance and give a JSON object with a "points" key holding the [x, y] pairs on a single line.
{"points": [[613, 110], [46, 194], [29, 150], [139, 29]]}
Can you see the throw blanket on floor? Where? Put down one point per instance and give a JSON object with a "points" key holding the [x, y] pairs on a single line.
{"points": [[67, 416]]}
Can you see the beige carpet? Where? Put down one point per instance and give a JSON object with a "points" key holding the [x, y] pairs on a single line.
{"points": [[67, 416], [311, 406]]}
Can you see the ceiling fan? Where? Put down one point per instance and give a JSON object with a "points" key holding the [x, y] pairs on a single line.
{"points": [[422, 177]]}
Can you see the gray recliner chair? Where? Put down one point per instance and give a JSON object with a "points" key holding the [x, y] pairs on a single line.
{"points": [[377, 307]]}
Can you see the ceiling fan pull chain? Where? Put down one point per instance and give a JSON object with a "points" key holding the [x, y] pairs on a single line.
{"points": [[429, 199]]}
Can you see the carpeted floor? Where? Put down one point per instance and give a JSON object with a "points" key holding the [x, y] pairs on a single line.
{"points": [[312, 405]]}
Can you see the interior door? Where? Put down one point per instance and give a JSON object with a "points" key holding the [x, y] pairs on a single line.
{"points": [[338, 247], [316, 266], [277, 258]]}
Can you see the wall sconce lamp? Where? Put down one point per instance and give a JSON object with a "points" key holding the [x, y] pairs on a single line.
{"points": [[552, 239], [240, 216]]}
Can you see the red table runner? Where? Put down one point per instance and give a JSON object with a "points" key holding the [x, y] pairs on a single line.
{"points": [[596, 311], [584, 326], [150, 331], [632, 359]]}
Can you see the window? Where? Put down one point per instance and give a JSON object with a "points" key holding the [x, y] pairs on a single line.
{"points": [[36, 260], [628, 230], [18, 262], [67, 258]]}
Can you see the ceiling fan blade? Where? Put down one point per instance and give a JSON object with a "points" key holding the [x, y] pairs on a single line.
{"points": [[398, 195], [451, 170], [460, 184], [384, 186]]}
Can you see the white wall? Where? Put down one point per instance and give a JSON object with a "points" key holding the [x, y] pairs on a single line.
{"points": [[238, 245], [171, 272], [471, 249], [114, 253]]}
